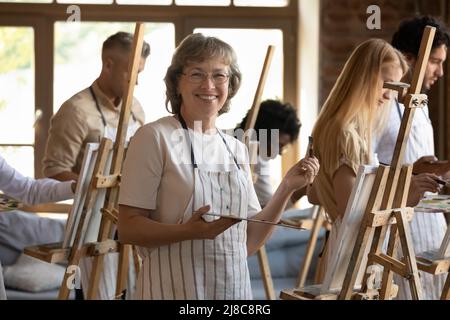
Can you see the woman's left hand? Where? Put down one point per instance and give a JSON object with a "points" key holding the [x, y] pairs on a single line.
{"points": [[302, 173]]}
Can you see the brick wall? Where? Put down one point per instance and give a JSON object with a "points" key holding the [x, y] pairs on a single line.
{"points": [[343, 27]]}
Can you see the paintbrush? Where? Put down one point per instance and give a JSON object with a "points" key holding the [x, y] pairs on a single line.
{"points": [[310, 149], [279, 224]]}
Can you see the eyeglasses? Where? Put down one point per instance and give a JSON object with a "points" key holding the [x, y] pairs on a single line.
{"points": [[199, 77]]}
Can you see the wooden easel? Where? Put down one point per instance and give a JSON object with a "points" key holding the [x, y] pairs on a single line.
{"points": [[101, 180], [339, 256], [386, 207], [111, 181], [253, 149]]}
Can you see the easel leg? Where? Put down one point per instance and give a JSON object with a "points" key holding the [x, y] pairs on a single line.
{"points": [[122, 273], [98, 263], [306, 263], [400, 199], [265, 272], [320, 271], [388, 275], [377, 244], [94, 280], [409, 256], [446, 291]]}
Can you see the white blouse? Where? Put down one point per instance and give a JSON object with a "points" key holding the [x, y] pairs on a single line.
{"points": [[29, 190], [420, 141], [158, 171]]}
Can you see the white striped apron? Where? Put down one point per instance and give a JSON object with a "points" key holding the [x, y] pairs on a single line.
{"points": [[203, 269]]}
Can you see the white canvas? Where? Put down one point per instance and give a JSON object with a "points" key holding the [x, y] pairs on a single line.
{"points": [[84, 180], [341, 250]]}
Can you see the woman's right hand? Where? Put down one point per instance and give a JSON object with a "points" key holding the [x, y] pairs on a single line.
{"points": [[302, 173], [420, 184], [207, 230]]}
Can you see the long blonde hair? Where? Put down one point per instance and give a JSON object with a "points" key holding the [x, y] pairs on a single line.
{"points": [[352, 106]]}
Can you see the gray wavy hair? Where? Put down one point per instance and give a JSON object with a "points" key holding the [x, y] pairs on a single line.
{"points": [[197, 48]]}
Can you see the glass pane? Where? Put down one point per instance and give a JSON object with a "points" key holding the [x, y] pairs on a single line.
{"points": [[86, 1], [20, 158], [28, 1], [203, 2], [152, 2], [261, 3], [17, 83], [78, 54], [250, 46]]}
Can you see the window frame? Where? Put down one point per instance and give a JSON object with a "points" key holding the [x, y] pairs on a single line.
{"points": [[42, 16]]}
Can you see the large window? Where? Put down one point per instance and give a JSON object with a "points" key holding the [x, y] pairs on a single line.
{"points": [[203, 2], [28, 1], [141, 2], [78, 61], [17, 106], [85, 1], [258, 3]]}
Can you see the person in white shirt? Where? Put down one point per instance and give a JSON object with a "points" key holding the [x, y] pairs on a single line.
{"points": [[427, 229], [30, 191], [276, 126]]}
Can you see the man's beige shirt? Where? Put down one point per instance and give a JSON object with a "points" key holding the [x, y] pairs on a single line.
{"points": [[77, 123]]}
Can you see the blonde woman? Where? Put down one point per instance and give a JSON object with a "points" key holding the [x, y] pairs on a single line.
{"points": [[350, 118]]}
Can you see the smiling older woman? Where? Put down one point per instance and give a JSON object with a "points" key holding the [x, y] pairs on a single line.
{"points": [[168, 186]]}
